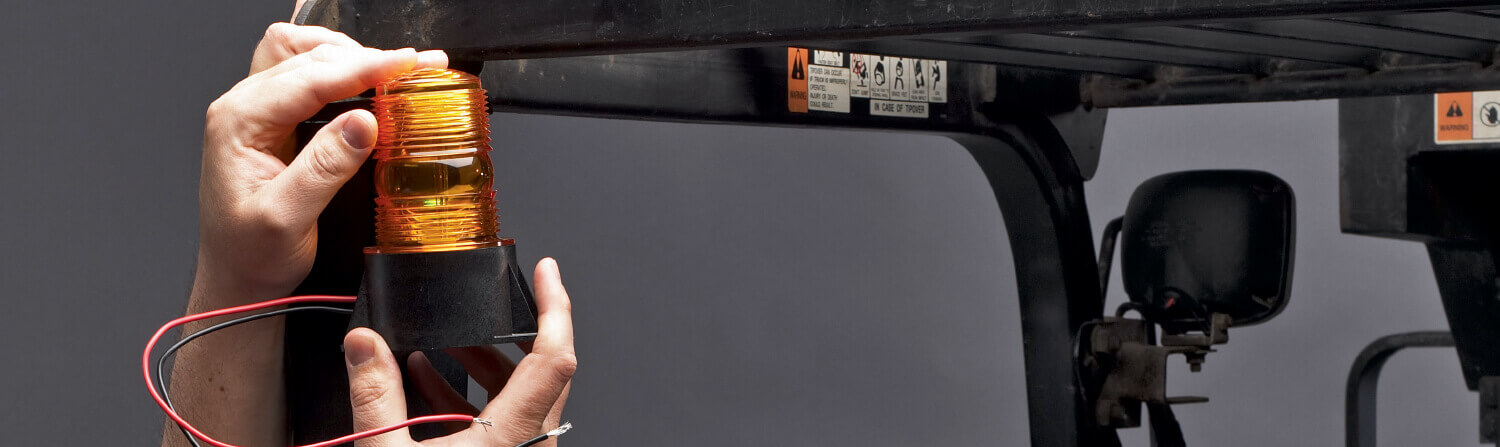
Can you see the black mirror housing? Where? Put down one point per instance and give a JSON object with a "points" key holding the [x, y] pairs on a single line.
{"points": [[1195, 243]]}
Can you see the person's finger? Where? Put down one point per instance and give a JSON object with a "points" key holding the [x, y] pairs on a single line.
{"points": [[489, 367], [337, 53], [554, 418], [284, 40], [293, 199], [375, 392], [555, 309], [432, 59], [441, 398], [540, 378], [279, 98]]}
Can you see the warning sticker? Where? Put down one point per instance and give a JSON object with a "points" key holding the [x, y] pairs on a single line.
{"points": [[796, 80], [827, 81], [1454, 117], [859, 75], [1486, 123], [901, 79], [919, 84], [938, 81], [828, 88], [903, 109], [829, 58], [1466, 117], [881, 86]]}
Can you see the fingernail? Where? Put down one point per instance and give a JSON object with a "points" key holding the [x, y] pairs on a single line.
{"points": [[359, 349], [401, 54], [555, 268], [432, 58], [417, 360], [359, 131]]}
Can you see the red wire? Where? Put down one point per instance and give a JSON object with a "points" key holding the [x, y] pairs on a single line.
{"points": [[150, 345]]}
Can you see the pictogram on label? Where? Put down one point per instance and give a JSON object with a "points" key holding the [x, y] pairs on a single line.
{"points": [[796, 80], [901, 79], [880, 84], [859, 75], [1486, 119], [919, 84], [1454, 112], [938, 81]]}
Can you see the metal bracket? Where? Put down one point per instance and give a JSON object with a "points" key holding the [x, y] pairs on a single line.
{"points": [[1137, 370], [1216, 334]]}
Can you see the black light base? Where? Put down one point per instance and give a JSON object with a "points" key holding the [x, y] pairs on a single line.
{"points": [[436, 300]]}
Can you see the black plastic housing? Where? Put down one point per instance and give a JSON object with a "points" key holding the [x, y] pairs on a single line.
{"points": [[1213, 241], [447, 299]]}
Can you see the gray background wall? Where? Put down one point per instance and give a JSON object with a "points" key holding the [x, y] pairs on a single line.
{"points": [[732, 285]]}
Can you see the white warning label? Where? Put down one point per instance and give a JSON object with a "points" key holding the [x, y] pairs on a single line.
{"points": [[919, 84], [1486, 120], [880, 87], [903, 109], [826, 81], [937, 81], [829, 58], [901, 79], [859, 75], [828, 88]]}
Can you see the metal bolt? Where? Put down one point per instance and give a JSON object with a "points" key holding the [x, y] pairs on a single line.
{"points": [[1195, 361]]}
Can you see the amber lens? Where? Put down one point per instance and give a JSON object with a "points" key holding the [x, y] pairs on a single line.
{"points": [[433, 178]]}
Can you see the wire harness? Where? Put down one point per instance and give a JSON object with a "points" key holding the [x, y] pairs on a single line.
{"points": [[193, 434]]}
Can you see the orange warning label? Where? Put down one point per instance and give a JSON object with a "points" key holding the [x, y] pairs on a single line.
{"points": [[796, 80], [1455, 116]]}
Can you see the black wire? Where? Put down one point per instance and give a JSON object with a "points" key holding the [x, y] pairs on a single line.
{"points": [[1165, 430], [534, 441], [1196, 307], [162, 361], [1078, 357], [1128, 306]]}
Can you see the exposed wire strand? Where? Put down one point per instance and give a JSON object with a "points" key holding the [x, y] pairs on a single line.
{"points": [[543, 437]]}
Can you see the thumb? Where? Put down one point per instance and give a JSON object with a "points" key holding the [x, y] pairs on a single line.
{"points": [[334, 154], [374, 388]]}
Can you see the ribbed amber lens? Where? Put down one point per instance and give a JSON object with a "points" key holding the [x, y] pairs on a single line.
{"points": [[433, 176]]}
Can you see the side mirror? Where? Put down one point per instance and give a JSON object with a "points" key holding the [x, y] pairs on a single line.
{"points": [[1198, 243]]}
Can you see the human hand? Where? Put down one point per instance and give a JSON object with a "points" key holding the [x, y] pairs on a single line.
{"points": [[526, 399], [258, 204]]}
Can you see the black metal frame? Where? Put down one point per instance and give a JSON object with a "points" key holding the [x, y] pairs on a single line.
{"points": [[1364, 380], [1030, 108], [1397, 182], [1125, 53]]}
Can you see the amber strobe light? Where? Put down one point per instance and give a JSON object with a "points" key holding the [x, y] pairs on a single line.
{"points": [[438, 276], [433, 177]]}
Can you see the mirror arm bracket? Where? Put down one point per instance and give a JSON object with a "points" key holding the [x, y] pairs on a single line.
{"points": [[1134, 370]]}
